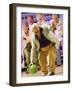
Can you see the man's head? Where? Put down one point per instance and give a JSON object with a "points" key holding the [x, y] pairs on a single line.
{"points": [[30, 19], [40, 18], [55, 17]]}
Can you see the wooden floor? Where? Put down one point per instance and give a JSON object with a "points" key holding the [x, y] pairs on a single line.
{"points": [[58, 71]]}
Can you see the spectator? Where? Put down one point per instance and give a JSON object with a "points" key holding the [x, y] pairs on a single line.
{"points": [[57, 27], [26, 42], [30, 22]]}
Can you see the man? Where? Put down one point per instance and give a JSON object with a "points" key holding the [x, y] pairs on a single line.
{"points": [[46, 43], [30, 22], [57, 25], [40, 19], [26, 42]]}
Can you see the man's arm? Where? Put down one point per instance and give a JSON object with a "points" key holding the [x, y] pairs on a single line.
{"points": [[35, 48], [32, 51]]}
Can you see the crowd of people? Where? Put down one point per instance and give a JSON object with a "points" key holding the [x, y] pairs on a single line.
{"points": [[41, 41]]}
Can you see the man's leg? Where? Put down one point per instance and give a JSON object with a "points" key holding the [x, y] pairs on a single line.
{"points": [[27, 54], [43, 62], [35, 61], [52, 59]]}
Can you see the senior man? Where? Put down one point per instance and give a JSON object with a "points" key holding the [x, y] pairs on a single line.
{"points": [[43, 40]]}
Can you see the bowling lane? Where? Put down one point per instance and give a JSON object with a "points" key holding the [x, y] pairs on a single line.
{"points": [[58, 71]]}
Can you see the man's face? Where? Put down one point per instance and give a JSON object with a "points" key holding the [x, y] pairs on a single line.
{"points": [[55, 17], [30, 20], [40, 18]]}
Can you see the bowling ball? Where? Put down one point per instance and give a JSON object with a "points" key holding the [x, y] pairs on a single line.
{"points": [[33, 68]]}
